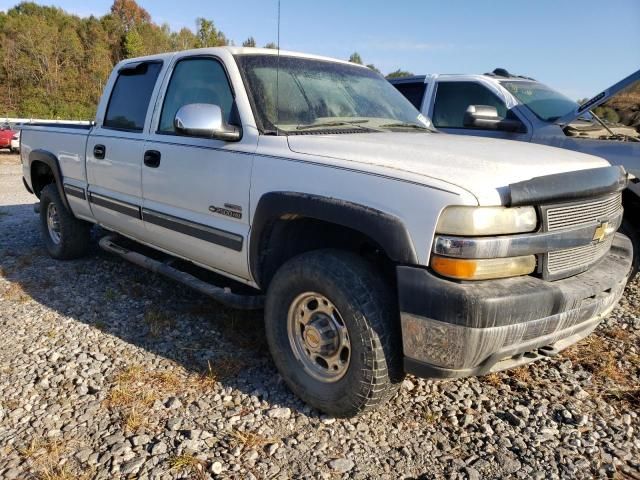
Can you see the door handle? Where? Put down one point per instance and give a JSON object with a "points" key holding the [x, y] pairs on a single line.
{"points": [[99, 152], [152, 158]]}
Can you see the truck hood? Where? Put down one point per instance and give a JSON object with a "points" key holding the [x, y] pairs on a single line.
{"points": [[627, 85], [484, 167]]}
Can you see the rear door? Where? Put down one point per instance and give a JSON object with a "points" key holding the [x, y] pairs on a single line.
{"points": [[453, 97], [115, 149], [196, 189]]}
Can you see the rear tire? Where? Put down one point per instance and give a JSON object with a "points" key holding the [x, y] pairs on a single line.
{"points": [[65, 237], [347, 303], [631, 231]]}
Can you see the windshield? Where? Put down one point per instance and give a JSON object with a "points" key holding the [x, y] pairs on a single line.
{"points": [[316, 96], [545, 103]]}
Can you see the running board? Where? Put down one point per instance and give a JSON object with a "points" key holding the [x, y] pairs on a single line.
{"points": [[223, 295]]}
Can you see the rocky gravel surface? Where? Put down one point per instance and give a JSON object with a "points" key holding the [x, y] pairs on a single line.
{"points": [[107, 371]]}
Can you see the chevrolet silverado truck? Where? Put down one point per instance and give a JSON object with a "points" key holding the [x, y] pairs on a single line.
{"points": [[312, 188], [515, 107]]}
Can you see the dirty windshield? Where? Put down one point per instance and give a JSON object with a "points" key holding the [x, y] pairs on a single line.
{"points": [[316, 96], [545, 103]]}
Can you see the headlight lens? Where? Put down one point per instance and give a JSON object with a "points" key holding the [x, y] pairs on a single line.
{"points": [[480, 221], [483, 269]]}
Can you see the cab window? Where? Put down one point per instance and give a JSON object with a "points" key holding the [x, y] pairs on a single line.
{"points": [[453, 98], [196, 80], [129, 102], [413, 91]]}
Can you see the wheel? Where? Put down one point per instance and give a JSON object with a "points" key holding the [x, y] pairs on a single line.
{"points": [[333, 330], [631, 231], [65, 237]]}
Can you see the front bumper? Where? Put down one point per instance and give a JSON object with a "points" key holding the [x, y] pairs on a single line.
{"points": [[454, 329]]}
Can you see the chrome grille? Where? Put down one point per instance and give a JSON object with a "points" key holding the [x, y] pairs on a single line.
{"points": [[562, 260], [562, 263], [583, 213]]}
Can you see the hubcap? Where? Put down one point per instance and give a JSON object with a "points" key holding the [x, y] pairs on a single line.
{"points": [[318, 337], [53, 223]]}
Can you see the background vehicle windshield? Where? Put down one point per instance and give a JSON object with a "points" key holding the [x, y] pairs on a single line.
{"points": [[320, 95], [545, 103]]}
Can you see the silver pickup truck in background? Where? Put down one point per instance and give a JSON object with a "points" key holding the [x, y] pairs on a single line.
{"points": [[314, 189], [514, 107]]}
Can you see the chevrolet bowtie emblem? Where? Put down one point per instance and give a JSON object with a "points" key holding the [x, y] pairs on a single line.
{"points": [[602, 231]]}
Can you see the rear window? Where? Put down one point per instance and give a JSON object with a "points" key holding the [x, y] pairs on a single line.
{"points": [[414, 92], [130, 97]]}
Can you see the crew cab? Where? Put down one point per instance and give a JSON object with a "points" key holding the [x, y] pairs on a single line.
{"points": [[311, 188], [514, 107]]}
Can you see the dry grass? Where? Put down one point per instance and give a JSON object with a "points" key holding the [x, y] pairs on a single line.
{"points": [[16, 293], [249, 440], [193, 467], [158, 322], [493, 379], [47, 460], [599, 355], [136, 389]]}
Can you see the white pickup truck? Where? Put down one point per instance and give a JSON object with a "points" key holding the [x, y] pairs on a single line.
{"points": [[376, 246], [514, 107]]}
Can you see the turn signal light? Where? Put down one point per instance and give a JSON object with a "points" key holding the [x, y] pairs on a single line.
{"points": [[483, 269]]}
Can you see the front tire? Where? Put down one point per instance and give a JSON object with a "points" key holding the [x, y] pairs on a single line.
{"points": [[333, 330], [65, 237]]}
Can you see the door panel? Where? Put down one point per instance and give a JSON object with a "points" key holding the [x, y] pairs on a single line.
{"points": [[184, 195], [116, 177]]}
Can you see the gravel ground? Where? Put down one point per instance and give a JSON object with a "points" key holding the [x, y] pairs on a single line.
{"points": [[108, 371]]}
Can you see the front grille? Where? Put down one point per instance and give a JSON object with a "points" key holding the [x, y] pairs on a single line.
{"points": [[563, 263], [583, 213], [565, 260]]}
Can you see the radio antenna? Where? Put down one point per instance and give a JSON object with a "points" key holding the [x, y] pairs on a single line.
{"points": [[278, 75]]}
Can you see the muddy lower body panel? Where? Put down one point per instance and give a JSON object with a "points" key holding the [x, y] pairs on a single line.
{"points": [[460, 329]]}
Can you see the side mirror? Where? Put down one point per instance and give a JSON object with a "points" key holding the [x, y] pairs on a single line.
{"points": [[486, 117], [205, 120]]}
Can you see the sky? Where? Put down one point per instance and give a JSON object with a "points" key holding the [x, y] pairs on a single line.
{"points": [[576, 46]]}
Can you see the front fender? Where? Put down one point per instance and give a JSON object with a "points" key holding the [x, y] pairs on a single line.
{"points": [[386, 230]]}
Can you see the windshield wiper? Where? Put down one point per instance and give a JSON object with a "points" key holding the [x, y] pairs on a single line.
{"points": [[404, 125], [339, 123]]}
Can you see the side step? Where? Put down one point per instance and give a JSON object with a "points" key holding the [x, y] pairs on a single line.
{"points": [[223, 295]]}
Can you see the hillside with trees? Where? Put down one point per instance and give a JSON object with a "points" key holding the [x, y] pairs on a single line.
{"points": [[54, 64]]}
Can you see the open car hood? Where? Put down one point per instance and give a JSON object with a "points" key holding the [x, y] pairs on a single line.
{"points": [[629, 84]]}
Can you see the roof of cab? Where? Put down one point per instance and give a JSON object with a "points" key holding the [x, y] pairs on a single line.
{"points": [[237, 51]]}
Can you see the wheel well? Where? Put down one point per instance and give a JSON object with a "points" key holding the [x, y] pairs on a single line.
{"points": [[290, 235], [41, 176]]}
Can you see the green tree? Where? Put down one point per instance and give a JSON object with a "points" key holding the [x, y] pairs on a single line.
{"points": [[356, 58], [208, 35], [271, 45], [249, 42], [399, 74], [133, 44]]}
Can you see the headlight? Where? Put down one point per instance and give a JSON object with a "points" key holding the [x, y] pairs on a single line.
{"points": [[483, 269], [479, 221]]}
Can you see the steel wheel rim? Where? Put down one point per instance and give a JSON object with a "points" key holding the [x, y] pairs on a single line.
{"points": [[319, 337], [53, 223]]}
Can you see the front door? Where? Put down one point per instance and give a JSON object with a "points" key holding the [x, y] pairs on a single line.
{"points": [[196, 190]]}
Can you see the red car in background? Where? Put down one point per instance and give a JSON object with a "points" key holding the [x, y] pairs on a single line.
{"points": [[6, 134]]}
